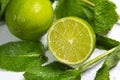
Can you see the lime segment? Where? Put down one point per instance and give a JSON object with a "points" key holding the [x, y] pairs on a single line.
{"points": [[71, 40]]}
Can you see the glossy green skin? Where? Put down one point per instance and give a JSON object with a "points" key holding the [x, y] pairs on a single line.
{"points": [[28, 19]]}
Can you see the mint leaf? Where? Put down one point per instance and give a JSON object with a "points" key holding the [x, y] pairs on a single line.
{"points": [[104, 42], [103, 73], [79, 8], [105, 16], [72, 74], [118, 55], [16, 56], [113, 58], [48, 72], [52, 71]]}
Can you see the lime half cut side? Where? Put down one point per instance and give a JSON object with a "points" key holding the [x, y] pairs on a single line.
{"points": [[71, 40]]}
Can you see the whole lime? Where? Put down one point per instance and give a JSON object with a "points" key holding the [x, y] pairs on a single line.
{"points": [[28, 19]]}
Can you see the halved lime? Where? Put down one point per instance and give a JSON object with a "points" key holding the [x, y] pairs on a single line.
{"points": [[71, 40]]}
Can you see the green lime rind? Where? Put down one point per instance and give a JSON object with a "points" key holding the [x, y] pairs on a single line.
{"points": [[28, 19]]}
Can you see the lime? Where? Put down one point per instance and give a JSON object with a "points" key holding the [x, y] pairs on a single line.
{"points": [[28, 19], [71, 40]]}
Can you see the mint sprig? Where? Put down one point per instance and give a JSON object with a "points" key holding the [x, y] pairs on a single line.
{"points": [[111, 61]]}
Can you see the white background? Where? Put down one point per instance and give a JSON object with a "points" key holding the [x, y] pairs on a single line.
{"points": [[6, 36]]}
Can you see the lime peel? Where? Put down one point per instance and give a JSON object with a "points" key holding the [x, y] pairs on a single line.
{"points": [[27, 19]]}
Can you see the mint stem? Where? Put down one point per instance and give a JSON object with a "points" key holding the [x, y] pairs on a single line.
{"points": [[91, 62], [88, 2]]}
